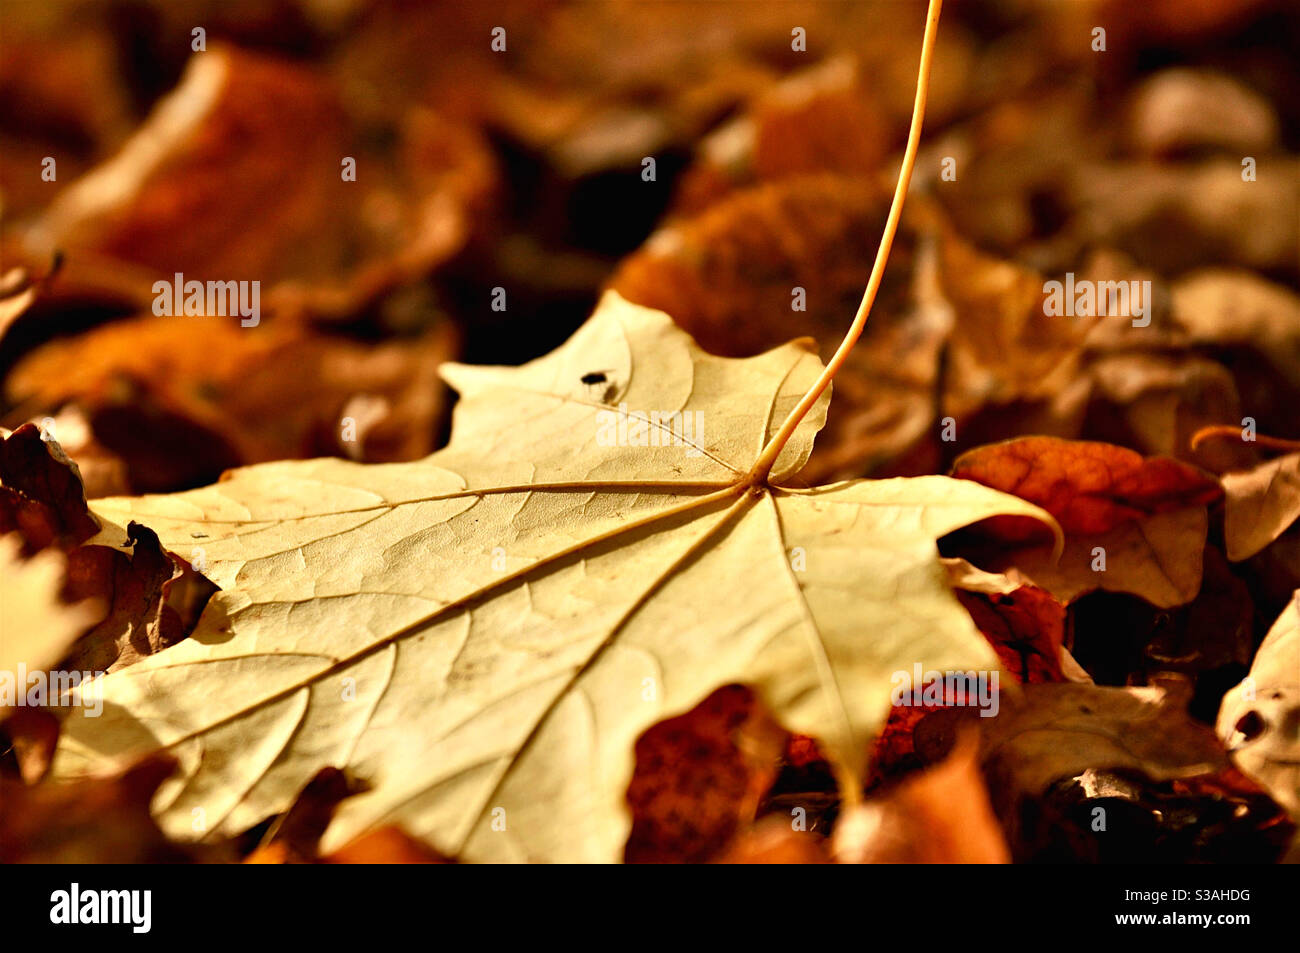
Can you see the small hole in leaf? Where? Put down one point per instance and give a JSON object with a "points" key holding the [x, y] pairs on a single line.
{"points": [[1250, 725]]}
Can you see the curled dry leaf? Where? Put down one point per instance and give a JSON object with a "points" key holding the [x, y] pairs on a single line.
{"points": [[1224, 307], [699, 778], [1260, 505], [1060, 731], [465, 631], [223, 391], [1067, 762], [94, 821], [1259, 719], [237, 175], [1132, 524], [144, 598], [1023, 623], [37, 627], [940, 816]]}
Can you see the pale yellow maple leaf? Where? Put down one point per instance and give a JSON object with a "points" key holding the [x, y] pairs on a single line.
{"points": [[482, 635]]}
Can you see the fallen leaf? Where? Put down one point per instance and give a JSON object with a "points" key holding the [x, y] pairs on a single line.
{"points": [[699, 778], [940, 816], [1226, 307], [1023, 623], [137, 598], [1260, 505], [245, 140], [1132, 524], [223, 390], [95, 821], [470, 634], [37, 627], [1259, 719], [1061, 731]]}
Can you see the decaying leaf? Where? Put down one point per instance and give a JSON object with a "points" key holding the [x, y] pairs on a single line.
{"points": [[1132, 524], [214, 386], [1061, 730], [237, 175], [699, 778], [1023, 623], [941, 816], [138, 597], [472, 634], [1259, 719], [36, 627], [1260, 505], [94, 821], [1121, 774]]}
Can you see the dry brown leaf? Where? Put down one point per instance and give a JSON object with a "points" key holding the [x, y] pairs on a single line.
{"points": [[237, 175], [143, 598], [941, 816], [1132, 524], [1059, 731], [95, 821], [223, 391], [1227, 307], [1260, 505], [699, 778]]}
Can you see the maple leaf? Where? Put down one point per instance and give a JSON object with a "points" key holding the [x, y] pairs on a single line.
{"points": [[482, 635]]}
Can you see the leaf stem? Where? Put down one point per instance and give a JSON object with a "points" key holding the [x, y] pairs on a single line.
{"points": [[1231, 432], [767, 457]]}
